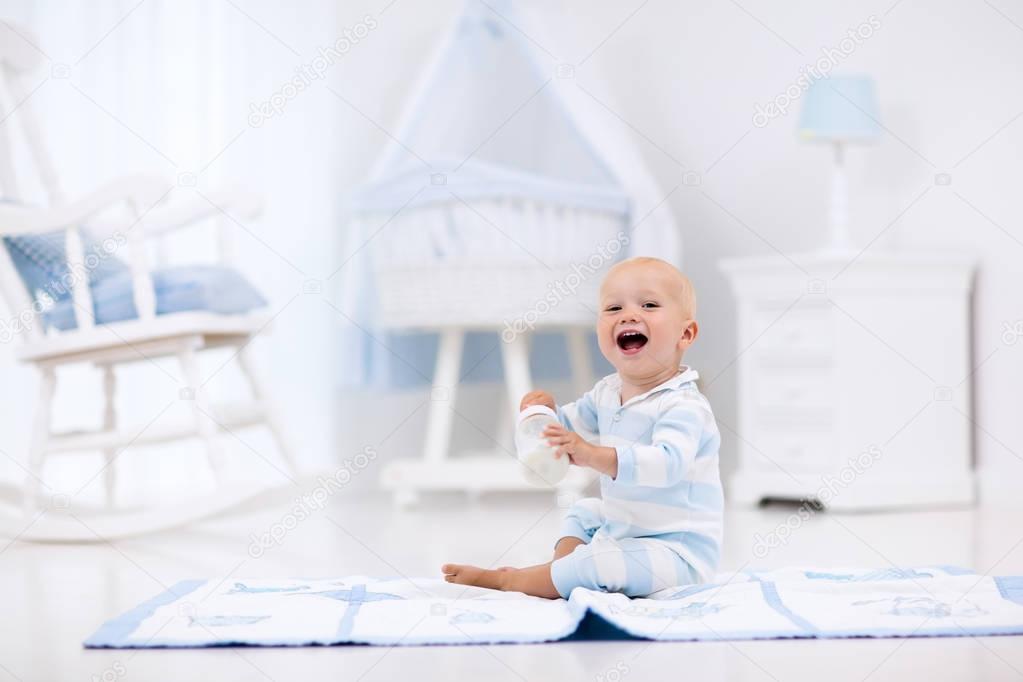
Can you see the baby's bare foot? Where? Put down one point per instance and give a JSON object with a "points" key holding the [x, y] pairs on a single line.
{"points": [[464, 574]]}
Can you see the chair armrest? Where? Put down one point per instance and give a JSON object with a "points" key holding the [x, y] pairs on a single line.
{"points": [[181, 213], [140, 191]]}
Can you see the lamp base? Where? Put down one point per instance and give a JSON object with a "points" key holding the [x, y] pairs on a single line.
{"points": [[839, 214]]}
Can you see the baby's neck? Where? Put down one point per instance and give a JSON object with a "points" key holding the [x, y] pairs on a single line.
{"points": [[633, 386]]}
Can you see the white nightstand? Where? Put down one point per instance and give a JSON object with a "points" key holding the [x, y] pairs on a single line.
{"points": [[871, 364]]}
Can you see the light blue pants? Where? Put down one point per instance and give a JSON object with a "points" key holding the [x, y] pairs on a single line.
{"points": [[636, 567]]}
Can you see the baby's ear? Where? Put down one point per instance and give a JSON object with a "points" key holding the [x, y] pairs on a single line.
{"points": [[690, 332]]}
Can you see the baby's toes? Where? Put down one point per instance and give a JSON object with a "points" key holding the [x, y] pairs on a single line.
{"points": [[463, 574], [453, 571]]}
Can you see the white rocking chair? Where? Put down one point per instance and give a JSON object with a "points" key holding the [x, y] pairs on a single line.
{"points": [[86, 339]]}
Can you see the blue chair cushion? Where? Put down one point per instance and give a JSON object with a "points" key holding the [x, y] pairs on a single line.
{"points": [[42, 263], [209, 288]]}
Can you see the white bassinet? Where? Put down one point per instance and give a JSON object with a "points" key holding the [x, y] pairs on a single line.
{"points": [[444, 265]]}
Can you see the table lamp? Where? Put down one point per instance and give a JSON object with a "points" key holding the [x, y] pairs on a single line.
{"points": [[840, 110]]}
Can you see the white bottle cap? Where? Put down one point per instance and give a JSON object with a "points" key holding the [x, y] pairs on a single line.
{"points": [[536, 409]]}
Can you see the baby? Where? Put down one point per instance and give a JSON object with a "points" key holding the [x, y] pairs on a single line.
{"points": [[651, 435]]}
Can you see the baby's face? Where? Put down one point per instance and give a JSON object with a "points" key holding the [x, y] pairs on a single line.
{"points": [[643, 327]]}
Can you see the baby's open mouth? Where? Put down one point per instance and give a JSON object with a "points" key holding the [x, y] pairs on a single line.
{"points": [[630, 341]]}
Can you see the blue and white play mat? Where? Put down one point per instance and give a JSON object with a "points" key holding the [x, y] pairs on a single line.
{"points": [[786, 603]]}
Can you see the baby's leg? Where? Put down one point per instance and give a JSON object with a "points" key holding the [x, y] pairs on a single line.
{"points": [[635, 567], [529, 580], [535, 580], [566, 546]]}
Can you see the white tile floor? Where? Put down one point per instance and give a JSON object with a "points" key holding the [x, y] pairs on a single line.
{"points": [[54, 596]]}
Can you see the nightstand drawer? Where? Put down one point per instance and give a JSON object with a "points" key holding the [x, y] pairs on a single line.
{"points": [[784, 419], [792, 452], [800, 332], [794, 389]]}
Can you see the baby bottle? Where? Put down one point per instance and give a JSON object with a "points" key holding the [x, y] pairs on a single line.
{"points": [[536, 457]]}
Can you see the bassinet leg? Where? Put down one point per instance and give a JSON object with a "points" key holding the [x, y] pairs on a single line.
{"points": [[442, 395], [579, 357], [517, 379]]}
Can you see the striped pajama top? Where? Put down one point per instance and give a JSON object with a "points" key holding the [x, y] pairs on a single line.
{"points": [[668, 486]]}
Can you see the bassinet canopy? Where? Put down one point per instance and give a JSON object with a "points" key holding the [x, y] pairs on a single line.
{"points": [[490, 121]]}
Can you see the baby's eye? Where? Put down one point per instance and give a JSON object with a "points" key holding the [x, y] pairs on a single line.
{"points": [[651, 304], [613, 308]]}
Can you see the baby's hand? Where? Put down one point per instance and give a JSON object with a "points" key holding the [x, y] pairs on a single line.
{"points": [[581, 452], [568, 443], [537, 398]]}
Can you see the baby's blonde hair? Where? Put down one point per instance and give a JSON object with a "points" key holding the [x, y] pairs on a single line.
{"points": [[686, 294]]}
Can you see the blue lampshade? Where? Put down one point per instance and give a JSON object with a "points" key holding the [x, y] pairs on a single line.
{"points": [[840, 108]]}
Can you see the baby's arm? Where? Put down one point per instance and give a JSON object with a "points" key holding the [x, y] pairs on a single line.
{"points": [[580, 416], [672, 453]]}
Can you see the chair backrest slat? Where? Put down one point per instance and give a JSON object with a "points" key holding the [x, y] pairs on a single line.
{"points": [[29, 124], [9, 187], [81, 295], [19, 57], [23, 318]]}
